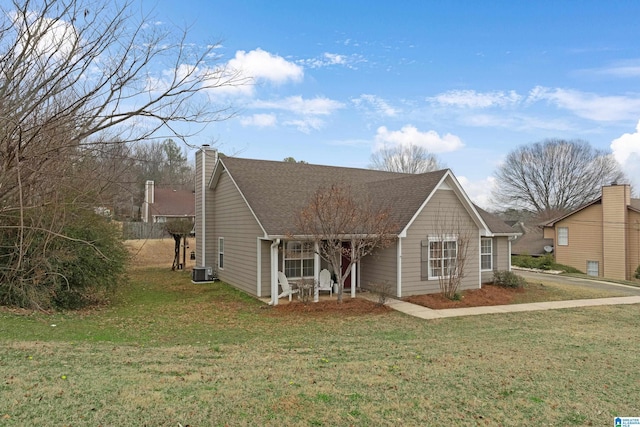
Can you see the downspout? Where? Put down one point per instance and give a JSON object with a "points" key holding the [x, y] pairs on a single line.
{"points": [[274, 273]]}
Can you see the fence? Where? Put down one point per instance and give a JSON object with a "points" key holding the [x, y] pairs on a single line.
{"points": [[143, 230]]}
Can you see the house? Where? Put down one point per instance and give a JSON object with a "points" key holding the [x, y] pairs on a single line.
{"points": [[163, 204], [245, 225], [601, 238], [531, 241]]}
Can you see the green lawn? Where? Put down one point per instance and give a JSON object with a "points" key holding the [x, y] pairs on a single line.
{"points": [[169, 352]]}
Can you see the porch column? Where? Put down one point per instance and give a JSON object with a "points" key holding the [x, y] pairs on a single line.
{"points": [[316, 271], [274, 272], [353, 273]]}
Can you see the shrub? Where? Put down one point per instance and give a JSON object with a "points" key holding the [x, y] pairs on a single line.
{"points": [[638, 272], [508, 279], [544, 262], [382, 290], [76, 265]]}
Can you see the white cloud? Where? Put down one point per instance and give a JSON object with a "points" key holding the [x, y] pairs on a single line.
{"points": [[47, 40], [296, 104], [479, 191], [379, 105], [328, 59], [409, 134], [259, 120], [626, 150], [589, 105], [262, 65], [306, 124], [473, 99]]}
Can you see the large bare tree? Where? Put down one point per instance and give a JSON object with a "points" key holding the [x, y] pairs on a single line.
{"points": [[345, 227], [404, 158], [78, 77], [554, 176]]}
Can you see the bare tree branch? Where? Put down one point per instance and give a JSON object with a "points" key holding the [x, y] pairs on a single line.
{"points": [[554, 176], [406, 159]]}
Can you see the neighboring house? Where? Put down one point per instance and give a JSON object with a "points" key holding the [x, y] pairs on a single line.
{"points": [[246, 215], [163, 204], [601, 238], [531, 242]]}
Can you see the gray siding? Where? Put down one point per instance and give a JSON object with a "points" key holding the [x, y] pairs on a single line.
{"points": [[205, 163], [445, 212], [229, 217], [265, 267], [379, 268], [501, 257]]}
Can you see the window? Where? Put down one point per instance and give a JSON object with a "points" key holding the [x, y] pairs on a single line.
{"points": [[563, 236], [298, 259], [592, 268], [486, 254], [221, 253], [438, 257]]}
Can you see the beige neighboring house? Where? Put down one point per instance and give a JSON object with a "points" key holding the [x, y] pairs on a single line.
{"points": [[245, 225], [601, 238], [162, 204]]}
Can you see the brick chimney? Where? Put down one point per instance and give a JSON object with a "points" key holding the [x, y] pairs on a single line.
{"points": [[615, 200]]}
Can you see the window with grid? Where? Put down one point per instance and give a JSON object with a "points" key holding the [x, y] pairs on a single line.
{"points": [[593, 268], [486, 254], [298, 259], [438, 257], [563, 236]]}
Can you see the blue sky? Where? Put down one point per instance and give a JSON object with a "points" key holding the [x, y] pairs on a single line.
{"points": [[468, 80]]}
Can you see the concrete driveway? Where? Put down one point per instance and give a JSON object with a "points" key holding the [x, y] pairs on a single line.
{"points": [[588, 283]]}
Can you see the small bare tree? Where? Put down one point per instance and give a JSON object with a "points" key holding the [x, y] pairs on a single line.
{"points": [[179, 229], [334, 216], [404, 158], [448, 252]]}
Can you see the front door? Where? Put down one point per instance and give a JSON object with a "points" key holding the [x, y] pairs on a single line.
{"points": [[346, 258]]}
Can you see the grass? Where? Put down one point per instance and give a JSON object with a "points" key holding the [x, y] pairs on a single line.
{"points": [[169, 352], [542, 290]]}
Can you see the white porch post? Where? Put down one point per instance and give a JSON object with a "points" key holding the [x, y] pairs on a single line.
{"points": [[274, 272], [399, 267], [353, 273], [316, 271]]}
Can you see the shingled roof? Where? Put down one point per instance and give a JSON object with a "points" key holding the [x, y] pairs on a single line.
{"points": [[276, 191], [173, 203]]}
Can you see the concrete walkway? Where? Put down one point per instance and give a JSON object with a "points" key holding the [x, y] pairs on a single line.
{"points": [[428, 313]]}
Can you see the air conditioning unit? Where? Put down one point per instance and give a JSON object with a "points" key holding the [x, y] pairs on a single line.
{"points": [[202, 274]]}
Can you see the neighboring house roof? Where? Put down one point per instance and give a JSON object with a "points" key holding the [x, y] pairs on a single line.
{"points": [[275, 191], [531, 242], [173, 203], [634, 206]]}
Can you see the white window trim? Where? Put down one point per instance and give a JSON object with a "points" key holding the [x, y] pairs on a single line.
{"points": [[221, 253], [285, 258], [565, 238], [443, 239], [490, 240]]}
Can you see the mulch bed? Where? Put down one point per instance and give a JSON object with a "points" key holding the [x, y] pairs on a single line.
{"points": [[487, 295]]}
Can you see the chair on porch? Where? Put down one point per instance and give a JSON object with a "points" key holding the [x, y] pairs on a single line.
{"points": [[324, 282], [287, 290]]}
